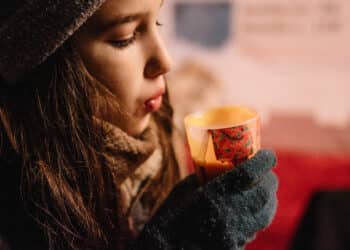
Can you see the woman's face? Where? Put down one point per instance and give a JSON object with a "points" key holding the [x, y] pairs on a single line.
{"points": [[121, 47]]}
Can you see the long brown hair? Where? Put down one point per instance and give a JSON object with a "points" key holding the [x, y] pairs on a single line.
{"points": [[47, 118]]}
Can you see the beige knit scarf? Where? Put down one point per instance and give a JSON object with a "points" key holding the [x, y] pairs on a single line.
{"points": [[125, 153], [135, 162]]}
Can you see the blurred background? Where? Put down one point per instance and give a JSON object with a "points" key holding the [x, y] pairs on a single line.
{"points": [[289, 60]]}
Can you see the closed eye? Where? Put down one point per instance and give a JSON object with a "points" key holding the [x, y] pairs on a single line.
{"points": [[123, 43]]}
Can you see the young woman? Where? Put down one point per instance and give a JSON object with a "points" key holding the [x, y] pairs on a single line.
{"points": [[86, 156]]}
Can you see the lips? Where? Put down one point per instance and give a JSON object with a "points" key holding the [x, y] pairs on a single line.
{"points": [[155, 102]]}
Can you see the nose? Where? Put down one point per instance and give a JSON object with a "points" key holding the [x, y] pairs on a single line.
{"points": [[159, 60]]}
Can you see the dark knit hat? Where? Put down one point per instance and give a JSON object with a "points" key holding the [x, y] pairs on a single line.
{"points": [[31, 30]]}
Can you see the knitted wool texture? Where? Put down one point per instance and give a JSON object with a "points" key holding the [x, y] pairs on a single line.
{"points": [[124, 155], [34, 31], [224, 214]]}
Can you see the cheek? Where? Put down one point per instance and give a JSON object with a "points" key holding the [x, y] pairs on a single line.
{"points": [[107, 64], [121, 71]]}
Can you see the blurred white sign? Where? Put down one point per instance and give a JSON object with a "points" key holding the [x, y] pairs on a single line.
{"points": [[294, 30]]}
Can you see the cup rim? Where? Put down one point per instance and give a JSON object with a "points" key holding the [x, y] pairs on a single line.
{"points": [[202, 112]]}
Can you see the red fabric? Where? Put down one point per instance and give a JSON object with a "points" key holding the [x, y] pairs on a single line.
{"points": [[300, 174]]}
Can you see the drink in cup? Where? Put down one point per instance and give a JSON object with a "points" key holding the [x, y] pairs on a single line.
{"points": [[221, 138]]}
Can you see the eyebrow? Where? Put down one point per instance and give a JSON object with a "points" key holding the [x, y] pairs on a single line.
{"points": [[122, 19], [119, 20]]}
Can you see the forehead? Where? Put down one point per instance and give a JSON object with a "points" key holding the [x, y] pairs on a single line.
{"points": [[125, 7], [112, 11]]}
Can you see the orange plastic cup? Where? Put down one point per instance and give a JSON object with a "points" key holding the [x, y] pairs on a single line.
{"points": [[221, 138]]}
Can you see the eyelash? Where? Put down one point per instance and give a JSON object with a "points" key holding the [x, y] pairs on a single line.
{"points": [[126, 42]]}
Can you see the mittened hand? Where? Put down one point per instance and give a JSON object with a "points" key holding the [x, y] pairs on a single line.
{"points": [[247, 173], [223, 214]]}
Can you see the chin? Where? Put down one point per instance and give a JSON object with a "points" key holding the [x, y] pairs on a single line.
{"points": [[136, 128]]}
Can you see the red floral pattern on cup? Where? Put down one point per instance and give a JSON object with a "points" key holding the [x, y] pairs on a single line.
{"points": [[233, 144]]}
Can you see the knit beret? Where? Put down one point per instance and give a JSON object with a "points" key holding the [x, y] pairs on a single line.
{"points": [[35, 29]]}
